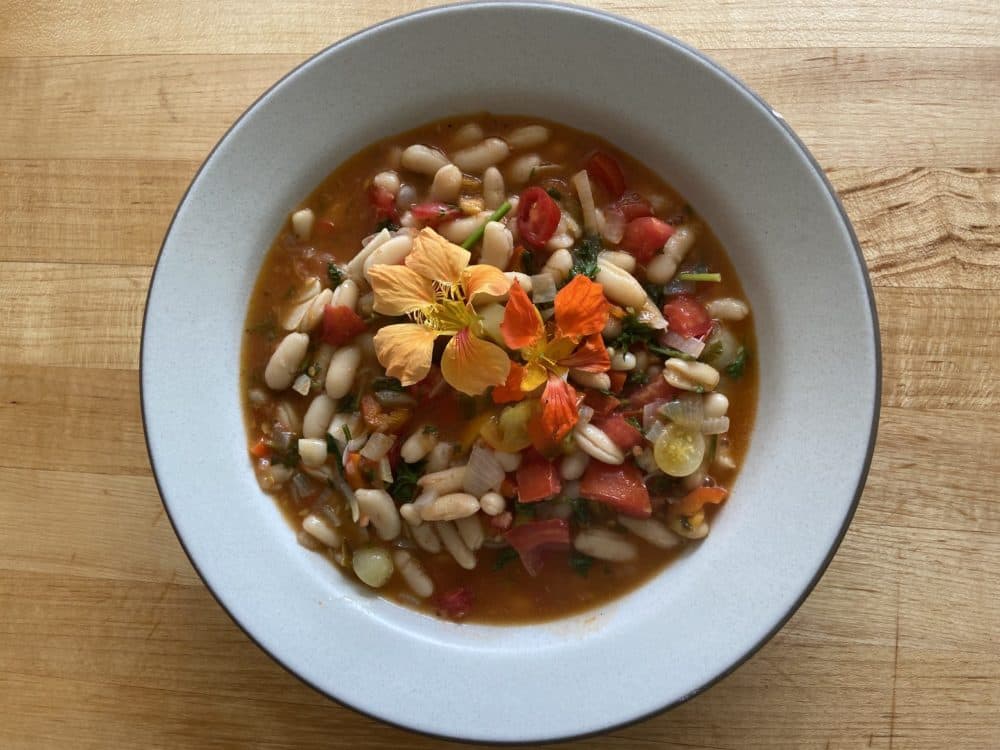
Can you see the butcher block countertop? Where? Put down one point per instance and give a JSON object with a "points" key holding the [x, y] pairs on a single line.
{"points": [[108, 639]]}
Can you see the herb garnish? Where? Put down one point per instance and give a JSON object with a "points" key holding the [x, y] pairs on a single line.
{"points": [[711, 352], [504, 556], [581, 510], [348, 403], [580, 563], [699, 276], [384, 383], [554, 194], [737, 367], [404, 487], [633, 332], [669, 352], [387, 224], [335, 275], [585, 257]]}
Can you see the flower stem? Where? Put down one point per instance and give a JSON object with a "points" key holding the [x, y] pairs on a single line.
{"points": [[473, 238]]}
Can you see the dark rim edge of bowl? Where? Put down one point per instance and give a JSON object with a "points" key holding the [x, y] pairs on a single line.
{"points": [[862, 269]]}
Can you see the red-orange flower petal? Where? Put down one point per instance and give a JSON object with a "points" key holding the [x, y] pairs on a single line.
{"points": [[559, 410], [510, 391], [590, 356], [522, 324], [471, 365], [581, 308]]}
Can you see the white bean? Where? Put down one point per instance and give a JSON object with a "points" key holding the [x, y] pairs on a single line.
{"points": [[560, 241], [418, 445], [373, 566], [599, 380], [594, 441], [493, 188], [521, 278], [423, 159], [413, 573], [318, 528], [528, 136], [439, 458], [455, 546], [447, 184], [690, 376], [450, 507], [379, 507], [467, 135], [493, 503], [284, 363], [342, 370], [406, 198], [356, 266], [314, 314], [346, 294], [498, 245], [715, 405], [663, 267], [487, 153], [520, 169], [445, 481], [390, 253], [605, 545], [573, 465], [728, 308], [625, 261], [559, 265], [508, 461], [689, 529], [651, 530], [426, 538], [302, 223], [612, 329], [312, 451], [387, 181], [410, 514], [471, 530], [318, 416], [623, 361], [620, 286], [458, 230]]}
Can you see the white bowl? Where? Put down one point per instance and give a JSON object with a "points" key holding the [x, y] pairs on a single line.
{"points": [[740, 167]]}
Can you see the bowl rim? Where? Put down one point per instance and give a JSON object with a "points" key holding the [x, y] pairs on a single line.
{"points": [[861, 269]]}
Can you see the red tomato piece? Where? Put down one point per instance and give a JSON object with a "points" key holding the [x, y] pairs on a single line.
{"points": [[340, 325], [632, 206], [537, 478], [432, 214], [383, 202], [502, 522], [608, 172], [656, 390], [601, 403], [618, 380], [455, 604], [620, 487], [531, 539], [645, 237], [622, 433], [537, 216], [687, 317]]}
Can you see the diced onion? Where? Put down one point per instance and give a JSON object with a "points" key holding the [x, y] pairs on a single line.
{"points": [[586, 414], [543, 288], [302, 384], [686, 411], [312, 451], [483, 472], [694, 347], [715, 426], [650, 412], [378, 446], [654, 431], [385, 470], [582, 184], [611, 225], [302, 487]]}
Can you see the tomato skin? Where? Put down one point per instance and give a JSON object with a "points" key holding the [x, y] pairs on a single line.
{"points": [[618, 380], [537, 478], [645, 237], [340, 325], [607, 171], [632, 206], [530, 539], [656, 390], [455, 604], [601, 403], [622, 434], [432, 214], [537, 217], [687, 317], [620, 487], [383, 202]]}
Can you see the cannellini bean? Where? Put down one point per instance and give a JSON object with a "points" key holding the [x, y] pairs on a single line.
{"points": [[559, 264], [605, 545], [302, 223], [379, 507], [498, 245], [694, 528], [458, 230], [284, 363], [728, 308], [410, 514], [573, 465], [561, 241], [521, 278], [467, 135], [493, 188], [390, 253], [528, 136], [317, 527], [595, 442], [486, 153], [418, 445], [346, 293], [612, 329], [426, 537], [356, 266], [620, 286], [413, 573], [508, 461], [447, 184], [342, 370], [373, 566], [445, 481], [623, 361], [625, 261], [423, 159], [288, 416], [450, 507], [599, 380], [663, 267], [715, 405], [406, 198], [439, 458], [471, 531], [492, 503], [690, 376], [318, 416], [315, 312], [387, 181], [650, 316], [651, 530], [455, 546], [520, 169]]}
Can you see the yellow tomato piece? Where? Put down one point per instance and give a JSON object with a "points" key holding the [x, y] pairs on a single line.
{"points": [[679, 451]]}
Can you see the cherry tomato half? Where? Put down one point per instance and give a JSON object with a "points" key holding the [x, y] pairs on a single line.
{"points": [[383, 202], [687, 317], [608, 172], [432, 214], [537, 217], [645, 236], [633, 206]]}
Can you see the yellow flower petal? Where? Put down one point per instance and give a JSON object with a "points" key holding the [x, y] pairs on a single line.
{"points": [[534, 375], [399, 290], [478, 280], [434, 258], [471, 365], [405, 351]]}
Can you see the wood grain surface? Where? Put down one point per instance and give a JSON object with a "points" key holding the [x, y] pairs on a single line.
{"points": [[107, 637]]}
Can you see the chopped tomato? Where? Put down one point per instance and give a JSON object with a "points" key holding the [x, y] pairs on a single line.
{"points": [[608, 172], [516, 259], [537, 216], [696, 499], [601, 403], [656, 390], [455, 604], [429, 386], [644, 237], [687, 317], [632, 206], [340, 325], [622, 433], [383, 202], [261, 449], [352, 471], [531, 539], [383, 421], [502, 521], [618, 380], [537, 478], [432, 214], [620, 487]]}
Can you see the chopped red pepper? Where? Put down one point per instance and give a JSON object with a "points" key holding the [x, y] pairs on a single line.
{"points": [[340, 325], [384, 203], [622, 433], [620, 487], [601, 403], [644, 237], [687, 317], [531, 539], [658, 388], [537, 478]]}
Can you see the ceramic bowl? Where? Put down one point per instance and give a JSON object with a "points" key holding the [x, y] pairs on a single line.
{"points": [[744, 171]]}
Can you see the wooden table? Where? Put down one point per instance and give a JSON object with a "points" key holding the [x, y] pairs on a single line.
{"points": [[107, 636]]}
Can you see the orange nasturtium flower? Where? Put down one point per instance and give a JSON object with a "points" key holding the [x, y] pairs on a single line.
{"points": [[581, 311], [435, 289]]}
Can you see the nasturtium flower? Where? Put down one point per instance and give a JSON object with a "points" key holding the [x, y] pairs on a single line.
{"points": [[435, 288]]}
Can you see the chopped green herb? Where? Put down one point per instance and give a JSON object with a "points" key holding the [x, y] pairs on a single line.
{"points": [[431, 429], [585, 257], [383, 383], [581, 510], [333, 450], [633, 332], [738, 366], [347, 433], [699, 389], [504, 556], [335, 275], [266, 328], [580, 563], [386, 224], [634, 422], [288, 457], [404, 487], [348, 403], [554, 194], [711, 352], [637, 377], [473, 238], [668, 351], [699, 276], [528, 262], [524, 511], [656, 293]]}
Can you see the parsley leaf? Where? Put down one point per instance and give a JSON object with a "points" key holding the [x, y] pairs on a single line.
{"points": [[348, 403], [712, 351], [554, 194], [585, 257], [580, 563], [581, 510], [383, 383], [634, 422], [504, 556], [431, 429], [335, 275], [667, 351], [638, 377], [633, 332], [386, 224], [404, 487], [737, 367]]}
